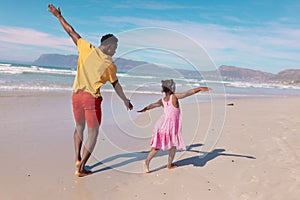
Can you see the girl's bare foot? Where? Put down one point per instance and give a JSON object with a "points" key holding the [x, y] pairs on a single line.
{"points": [[171, 166], [83, 173], [146, 167]]}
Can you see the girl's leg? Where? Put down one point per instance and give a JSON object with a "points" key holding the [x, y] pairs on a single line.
{"points": [[151, 154], [172, 153]]}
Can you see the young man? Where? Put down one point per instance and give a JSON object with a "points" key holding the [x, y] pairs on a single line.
{"points": [[95, 68]]}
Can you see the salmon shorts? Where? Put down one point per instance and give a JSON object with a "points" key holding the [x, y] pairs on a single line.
{"points": [[87, 108]]}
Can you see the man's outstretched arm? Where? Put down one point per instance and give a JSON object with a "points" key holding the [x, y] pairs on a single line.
{"points": [[120, 93], [68, 28]]}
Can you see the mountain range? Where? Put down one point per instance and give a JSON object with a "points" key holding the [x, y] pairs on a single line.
{"points": [[228, 73]]}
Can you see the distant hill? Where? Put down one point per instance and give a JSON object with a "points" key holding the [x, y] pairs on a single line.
{"points": [[124, 65], [229, 73], [57, 60], [232, 73], [70, 61], [289, 76]]}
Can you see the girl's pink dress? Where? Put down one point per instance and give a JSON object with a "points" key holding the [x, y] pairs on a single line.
{"points": [[167, 131]]}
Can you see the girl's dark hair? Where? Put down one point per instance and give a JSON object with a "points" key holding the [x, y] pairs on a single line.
{"points": [[166, 90]]}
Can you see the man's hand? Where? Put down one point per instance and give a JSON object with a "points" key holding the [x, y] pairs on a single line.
{"points": [[128, 104], [55, 11]]}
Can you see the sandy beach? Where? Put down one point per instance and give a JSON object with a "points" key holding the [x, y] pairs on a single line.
{"points": [[256, 157]]}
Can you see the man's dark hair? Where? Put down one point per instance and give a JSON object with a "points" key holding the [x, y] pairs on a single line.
{"points": [[109, 39]]}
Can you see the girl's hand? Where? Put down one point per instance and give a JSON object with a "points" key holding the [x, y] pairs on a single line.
{"points": [[143, 110], [204, 89]]}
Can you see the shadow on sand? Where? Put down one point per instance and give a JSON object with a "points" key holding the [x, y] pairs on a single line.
{"points": [[132, 157], [202, 158], [198, 160]]}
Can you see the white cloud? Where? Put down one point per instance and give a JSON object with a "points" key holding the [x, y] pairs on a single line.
{"points": [[27, 36], [271, 45], [267, 45], [25, 44]]}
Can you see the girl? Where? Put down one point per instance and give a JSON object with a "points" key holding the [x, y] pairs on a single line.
{"points": [[167, 131]]}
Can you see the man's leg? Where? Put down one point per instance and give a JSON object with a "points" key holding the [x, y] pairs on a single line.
{"points": [[88, 149], [93, 119], [79, 116], [78, 138], [92, 115]]}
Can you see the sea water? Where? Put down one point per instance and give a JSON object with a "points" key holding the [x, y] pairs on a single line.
{"points": [[29, 78]]}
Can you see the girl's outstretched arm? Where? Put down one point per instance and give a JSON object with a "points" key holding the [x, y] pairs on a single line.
{"points": [[182, 95], [152, 105]]}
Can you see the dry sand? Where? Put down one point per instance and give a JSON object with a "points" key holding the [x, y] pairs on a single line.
{"points": [[256, 157]]}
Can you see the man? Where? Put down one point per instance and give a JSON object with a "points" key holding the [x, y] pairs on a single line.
{"points": [[95, 68]]}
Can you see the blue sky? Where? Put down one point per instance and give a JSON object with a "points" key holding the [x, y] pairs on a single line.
{"points": [[261, 35]]}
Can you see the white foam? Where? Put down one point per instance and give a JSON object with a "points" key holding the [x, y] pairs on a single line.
{"points": [[14, 69], [134, 76], [33, 88], [261, 85]]}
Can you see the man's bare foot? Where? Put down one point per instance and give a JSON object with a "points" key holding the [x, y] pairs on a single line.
{"points": [[146, 167], [83, 173], [77, 163], [171, 166]]}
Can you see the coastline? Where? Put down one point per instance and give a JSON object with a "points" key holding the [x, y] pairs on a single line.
{"points": [[256, 156]]}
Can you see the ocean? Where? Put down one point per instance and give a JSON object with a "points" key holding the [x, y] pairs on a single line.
{"points": [[142, 80]]}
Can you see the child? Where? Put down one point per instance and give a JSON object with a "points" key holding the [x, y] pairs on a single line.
{"points": [[167, 131]]}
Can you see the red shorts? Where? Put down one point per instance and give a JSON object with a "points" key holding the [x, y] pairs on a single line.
{"points": [[87, 108]]}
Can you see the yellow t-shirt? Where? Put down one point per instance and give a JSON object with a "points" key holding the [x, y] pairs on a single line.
{"points": [[94, 69]]}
